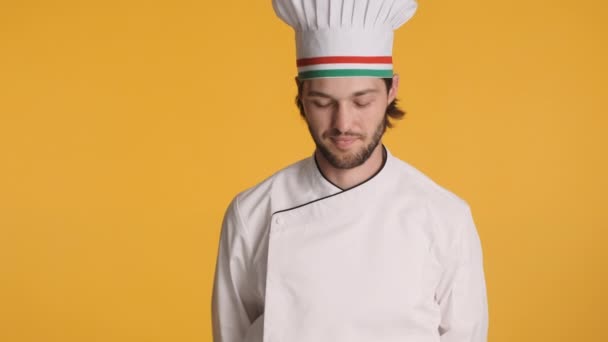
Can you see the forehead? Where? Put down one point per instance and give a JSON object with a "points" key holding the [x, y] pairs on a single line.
{"points": [[343, 86]]}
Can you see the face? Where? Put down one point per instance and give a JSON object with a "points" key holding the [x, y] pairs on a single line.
{"points": [[345, 117]]}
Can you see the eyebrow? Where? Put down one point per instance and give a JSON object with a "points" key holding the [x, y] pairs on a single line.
{"points": [[355, 94]]}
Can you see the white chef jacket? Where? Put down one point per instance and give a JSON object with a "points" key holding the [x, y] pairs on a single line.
{"points": [[396, 258]]}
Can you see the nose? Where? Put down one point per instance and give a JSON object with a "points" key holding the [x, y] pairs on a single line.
{"points": [[342, 118]]}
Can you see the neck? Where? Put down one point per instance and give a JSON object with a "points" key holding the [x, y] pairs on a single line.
{"points": [[348, 178]]}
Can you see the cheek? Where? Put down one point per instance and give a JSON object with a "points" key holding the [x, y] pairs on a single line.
{"points": [[375, 114], [315, 118]]}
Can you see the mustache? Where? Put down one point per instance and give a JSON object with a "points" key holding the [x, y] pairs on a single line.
{"points": [[334, 133]]}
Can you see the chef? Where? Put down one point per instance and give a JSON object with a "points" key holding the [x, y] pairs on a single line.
{"points": [[351, 244]]}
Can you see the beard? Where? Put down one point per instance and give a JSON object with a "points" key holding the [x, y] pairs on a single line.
{"points": [[354, 159]]}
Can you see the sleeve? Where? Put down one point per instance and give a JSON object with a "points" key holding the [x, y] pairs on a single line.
{"points": [[232, 303], [462, 291]]}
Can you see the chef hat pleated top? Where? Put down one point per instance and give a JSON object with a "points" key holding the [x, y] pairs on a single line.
{"points": [[344, 38]]}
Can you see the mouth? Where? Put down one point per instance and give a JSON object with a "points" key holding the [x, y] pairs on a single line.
{"points": [[343, 142]]}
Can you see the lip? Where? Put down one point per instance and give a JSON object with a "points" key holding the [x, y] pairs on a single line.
{"points": [[343, 143]]}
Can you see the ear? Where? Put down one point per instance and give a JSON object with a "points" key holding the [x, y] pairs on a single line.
{"points": [[392, 93], [299, 82], [299, 85]]}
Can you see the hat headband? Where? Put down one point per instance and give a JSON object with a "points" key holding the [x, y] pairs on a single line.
{"points": [[345, 66]]}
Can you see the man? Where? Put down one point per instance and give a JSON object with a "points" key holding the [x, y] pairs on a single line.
{"points": [[351, 244]]}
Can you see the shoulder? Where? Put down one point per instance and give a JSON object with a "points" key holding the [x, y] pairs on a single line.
{"points": [[447, 216], [259, 201], [287, 177], [413, 182]]}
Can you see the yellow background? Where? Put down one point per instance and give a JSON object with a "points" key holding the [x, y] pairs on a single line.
{"points": [[126, 127]]}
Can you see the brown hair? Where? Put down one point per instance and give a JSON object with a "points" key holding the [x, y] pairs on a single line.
{"points": [[392, 111]]}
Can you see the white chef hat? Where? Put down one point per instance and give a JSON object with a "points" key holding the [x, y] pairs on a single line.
{"points": [[344, 38]]}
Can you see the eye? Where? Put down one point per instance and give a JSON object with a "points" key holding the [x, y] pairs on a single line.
{"points": [[320, 104], [363, 101], [361, 104]]}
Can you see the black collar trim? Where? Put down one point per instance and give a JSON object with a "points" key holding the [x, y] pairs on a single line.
{"points": [[314, 156], [384, 158]]}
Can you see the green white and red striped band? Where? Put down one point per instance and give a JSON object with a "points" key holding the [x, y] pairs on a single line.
{"points": [[345, 66]]}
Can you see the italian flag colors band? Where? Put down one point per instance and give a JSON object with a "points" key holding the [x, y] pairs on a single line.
{"points": [[345, 66]]}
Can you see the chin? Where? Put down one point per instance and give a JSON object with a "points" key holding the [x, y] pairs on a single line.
{"points": [[345, 160]]}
